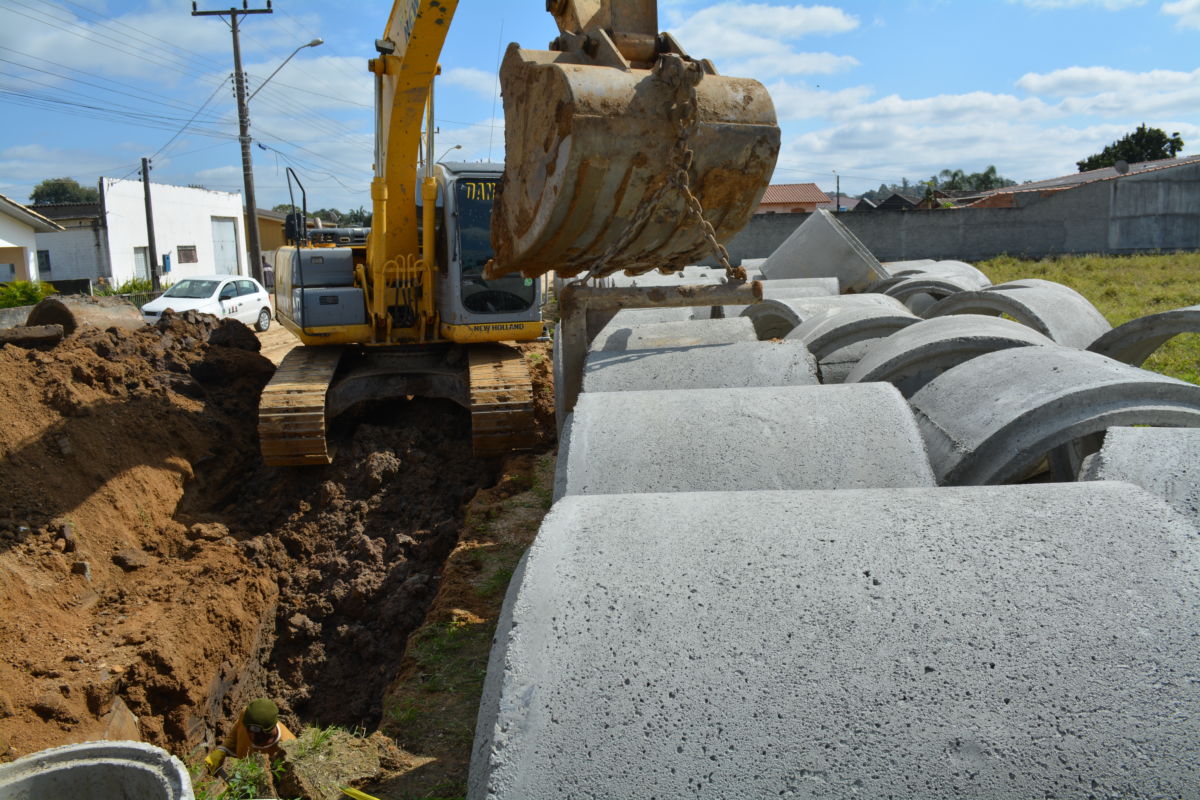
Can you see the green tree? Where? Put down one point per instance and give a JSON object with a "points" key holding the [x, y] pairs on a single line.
{"points": [[63, 190], [1144, 144], [357, 217], [952, 179]]}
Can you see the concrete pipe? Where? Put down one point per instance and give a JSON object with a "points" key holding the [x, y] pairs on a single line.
{"points": [[1163, 461], [1055, 310], [737, 364], [74, 311], [920, 292], [989, 642], [682, 333], [775, 319], [823, 247], [789, 437], [993, 418], [790, 288], [97, 771], [823, 334], [1135, 341], [912, 357]]}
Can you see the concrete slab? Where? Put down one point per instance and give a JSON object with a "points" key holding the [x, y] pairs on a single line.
{"points": [[683, 333], [991, 419], [739, 364], [1163, 461], [1050, 308], [1136, 340], [97, 771], [912, 357], [999, 642], [822, 247], [775, 319], [790, 437]]}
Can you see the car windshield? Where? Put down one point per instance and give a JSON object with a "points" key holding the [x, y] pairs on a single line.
{"points": [[192, 289]]}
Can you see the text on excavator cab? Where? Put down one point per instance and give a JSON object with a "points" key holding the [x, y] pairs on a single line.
{"points": [[480, 190]]}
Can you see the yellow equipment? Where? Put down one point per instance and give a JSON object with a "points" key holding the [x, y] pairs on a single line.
{"points": [[622, 153]]}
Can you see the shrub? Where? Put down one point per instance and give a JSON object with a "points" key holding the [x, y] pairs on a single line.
{"points": [[24, 293]]}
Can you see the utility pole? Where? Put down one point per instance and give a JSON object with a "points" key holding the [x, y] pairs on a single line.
{"points": [[837, 204], [239, 79], [152, 248]]}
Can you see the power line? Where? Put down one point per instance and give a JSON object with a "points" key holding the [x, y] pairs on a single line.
{"points": [[110, 42], [188, 123]]}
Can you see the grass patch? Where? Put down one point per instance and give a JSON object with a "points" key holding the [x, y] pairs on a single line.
{"points": [[431, 709], [1124, 288]]}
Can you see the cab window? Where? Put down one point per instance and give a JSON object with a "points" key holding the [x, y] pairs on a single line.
{"points": [[508, 294], [246, 287], [229, 291]]}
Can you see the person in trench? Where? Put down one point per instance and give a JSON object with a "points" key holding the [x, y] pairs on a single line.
{"points": [[258, 730]]}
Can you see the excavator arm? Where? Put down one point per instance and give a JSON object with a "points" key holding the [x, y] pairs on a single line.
{"points": [[622, 152]]}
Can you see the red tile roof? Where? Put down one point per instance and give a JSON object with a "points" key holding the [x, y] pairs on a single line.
{"points": [[794, 193]]}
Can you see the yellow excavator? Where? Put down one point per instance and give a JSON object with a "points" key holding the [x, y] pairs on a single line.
{"points": [[622, 154]]}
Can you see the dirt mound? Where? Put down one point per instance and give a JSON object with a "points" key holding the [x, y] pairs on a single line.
{"points": [[155, 575], [104, 437]]}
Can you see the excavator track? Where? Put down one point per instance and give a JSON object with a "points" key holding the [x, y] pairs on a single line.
{"points": [[291, 412], [501, 400]]}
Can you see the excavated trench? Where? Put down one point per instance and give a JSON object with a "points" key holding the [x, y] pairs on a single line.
{"points": [[356, 550], [156, 575]]}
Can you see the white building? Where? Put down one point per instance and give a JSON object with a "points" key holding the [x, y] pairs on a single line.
{"points": [[196, 230], [19, 229]]}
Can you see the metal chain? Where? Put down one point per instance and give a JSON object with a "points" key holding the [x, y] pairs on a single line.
{"points": [[685, 76]]}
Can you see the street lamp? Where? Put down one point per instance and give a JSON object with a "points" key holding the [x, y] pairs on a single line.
{"points": [[314, 43], [448, 149], [247, 166]]}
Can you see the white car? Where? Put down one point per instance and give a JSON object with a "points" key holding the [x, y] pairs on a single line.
{"points": [[233, 296]]}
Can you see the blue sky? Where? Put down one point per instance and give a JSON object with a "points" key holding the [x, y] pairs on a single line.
{"points": [[877, 90]]}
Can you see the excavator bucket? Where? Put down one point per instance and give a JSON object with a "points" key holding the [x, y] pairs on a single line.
{"points": [[597, 153]]}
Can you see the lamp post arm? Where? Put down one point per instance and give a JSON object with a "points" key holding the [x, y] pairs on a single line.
{"points": [[313, 43]]}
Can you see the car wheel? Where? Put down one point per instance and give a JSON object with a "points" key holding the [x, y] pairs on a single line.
{"points": [[264, 320]]}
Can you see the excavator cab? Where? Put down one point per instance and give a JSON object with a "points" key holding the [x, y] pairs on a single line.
{"points": [[473, 307]]}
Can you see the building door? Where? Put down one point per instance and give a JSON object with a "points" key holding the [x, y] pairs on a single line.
{"points": [[141, 263], [225, 245]]}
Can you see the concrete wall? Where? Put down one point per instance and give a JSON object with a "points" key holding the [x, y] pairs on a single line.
{"points": [[182, 216], [80, 252], [18, 247], [1150, 211]]}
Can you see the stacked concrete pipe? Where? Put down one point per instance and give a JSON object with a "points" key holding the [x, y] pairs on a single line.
{"points": [[750, 587]]}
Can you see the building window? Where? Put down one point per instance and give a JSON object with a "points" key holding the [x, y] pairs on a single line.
{"points": [[187, 254], [43, 263]]}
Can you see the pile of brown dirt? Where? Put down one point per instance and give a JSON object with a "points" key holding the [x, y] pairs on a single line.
{"points": [[106, 592], [155, 575]]}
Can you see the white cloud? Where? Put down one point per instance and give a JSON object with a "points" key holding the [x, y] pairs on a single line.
{"points": [[483, 83], [797, 102], [1109, 5], [774, 66], [753, 38], [1188, 12], [1074, 81], [950, 108]]}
